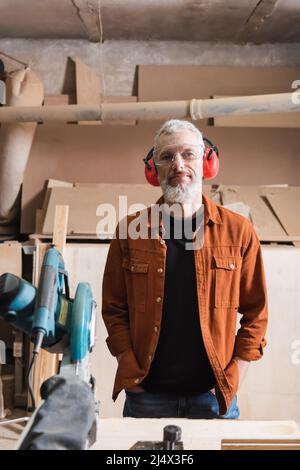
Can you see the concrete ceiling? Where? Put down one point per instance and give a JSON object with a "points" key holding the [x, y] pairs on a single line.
{"points": [[258, 21]]}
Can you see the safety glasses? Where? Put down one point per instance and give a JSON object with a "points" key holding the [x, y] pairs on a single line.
{"points": [[167, 155]]}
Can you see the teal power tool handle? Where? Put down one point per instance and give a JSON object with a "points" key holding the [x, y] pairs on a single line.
{"points": [[49, 292]]}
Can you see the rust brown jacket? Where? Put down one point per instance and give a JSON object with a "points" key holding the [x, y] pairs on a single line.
{"points": [[230, 279]]}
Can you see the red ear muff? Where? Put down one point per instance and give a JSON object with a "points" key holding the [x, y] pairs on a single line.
{"points": [[211, 160], [150, 169], [210, 163]]}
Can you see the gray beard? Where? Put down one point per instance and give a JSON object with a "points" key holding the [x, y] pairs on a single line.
{"points": [[181, 194]]}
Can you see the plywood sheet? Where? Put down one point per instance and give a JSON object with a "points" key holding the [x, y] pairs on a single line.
{"points": [[291, 120], [10, 262], [40, 213], [264, 221], [11, 258], [285, 203], [86, 263], [181, 82], [87, 86], [52, 100], [85, 200], [271, 387]]}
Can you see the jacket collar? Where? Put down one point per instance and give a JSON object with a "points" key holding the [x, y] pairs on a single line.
{"points": [[211, 211]]}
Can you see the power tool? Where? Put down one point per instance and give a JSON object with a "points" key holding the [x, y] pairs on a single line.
{"points": [[51, 318], [48, 315]]}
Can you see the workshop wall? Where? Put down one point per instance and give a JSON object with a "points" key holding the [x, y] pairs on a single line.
{"points": [[115, 61]]}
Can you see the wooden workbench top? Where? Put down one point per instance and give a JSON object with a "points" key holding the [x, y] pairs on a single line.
{"points": [[123, 433]]}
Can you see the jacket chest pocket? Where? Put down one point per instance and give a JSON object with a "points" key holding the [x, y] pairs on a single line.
{"points": [[136, 274], [227, 281]]}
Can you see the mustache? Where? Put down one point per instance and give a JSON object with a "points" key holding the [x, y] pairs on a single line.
{"points": [[178, 173]]}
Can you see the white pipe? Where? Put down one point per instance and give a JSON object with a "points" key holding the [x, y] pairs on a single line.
{"points": [[23, 87], [194, 109]]}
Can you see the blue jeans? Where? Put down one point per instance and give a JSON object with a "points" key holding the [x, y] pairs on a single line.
{"points": [[160, 405]]}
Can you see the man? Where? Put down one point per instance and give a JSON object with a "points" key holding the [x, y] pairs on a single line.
{"points": [[171, 311]]}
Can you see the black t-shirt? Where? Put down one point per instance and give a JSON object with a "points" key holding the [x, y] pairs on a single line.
{"points": [[180, 364]]}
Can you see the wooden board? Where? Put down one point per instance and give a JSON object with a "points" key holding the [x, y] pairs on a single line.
{"points": [[48, 238], [286, 205], [85, 263], [87, 86], [10, 262], [196, 433], [40, 213], [88, 91], [11, 258], [278, 120], [52, 100], [271, 387], [260, 444], [264, 221], [84, 201], [61, 215], [181, 82]]}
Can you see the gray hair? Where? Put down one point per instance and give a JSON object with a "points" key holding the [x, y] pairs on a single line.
{"points": [[176, 125]]}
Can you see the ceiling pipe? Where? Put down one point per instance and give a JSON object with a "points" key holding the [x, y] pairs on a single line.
{"points": [[157, 110], [23, 87]]}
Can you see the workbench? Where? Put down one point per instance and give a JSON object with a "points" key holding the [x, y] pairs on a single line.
{"points": [[123, 433]]}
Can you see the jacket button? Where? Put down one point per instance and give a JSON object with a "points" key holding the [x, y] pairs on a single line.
{"points": [[162, 242], [156, 329], [158, 299], [159, 270], [136, 381], [132, 268], [232, 266], [150, 358]]}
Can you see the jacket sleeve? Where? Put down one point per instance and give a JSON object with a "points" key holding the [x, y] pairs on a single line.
{"points": [[114, 301], [250, 339]]}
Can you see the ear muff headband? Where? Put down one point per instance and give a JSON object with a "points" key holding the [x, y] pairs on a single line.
{"points": [[211, 148]]}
